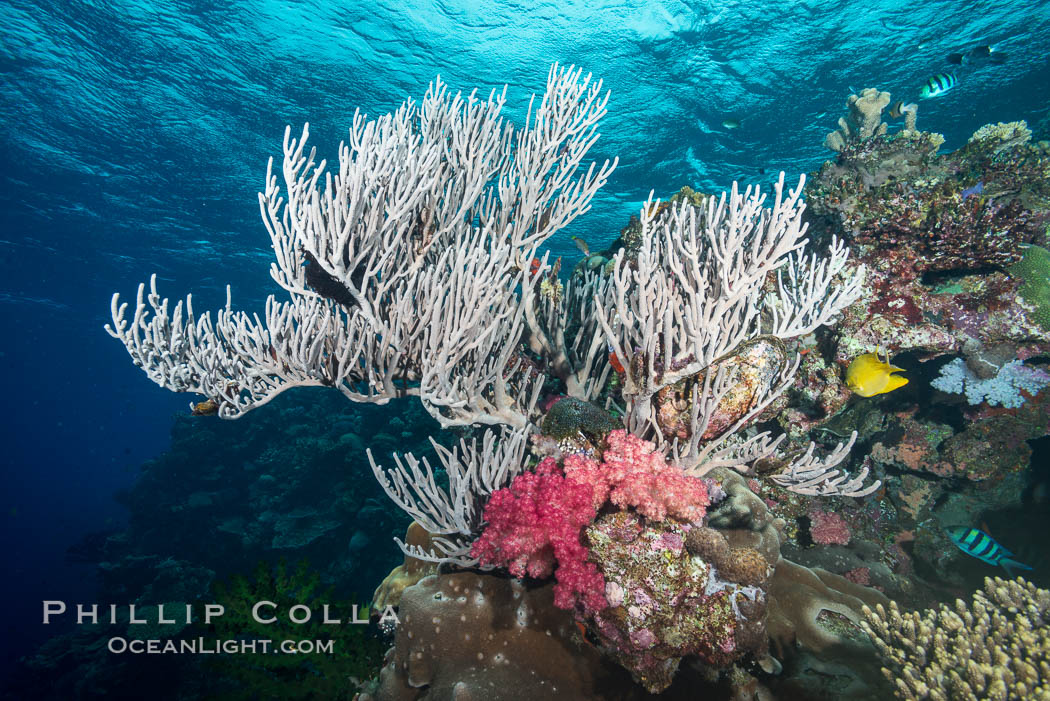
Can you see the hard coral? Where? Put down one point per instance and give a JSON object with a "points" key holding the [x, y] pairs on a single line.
{"points": [[474, 637], [570, 416], [745, 566], [813, 612], [996, 648], [534, 525], [863, 121], [1034, 272], [388, 593]]}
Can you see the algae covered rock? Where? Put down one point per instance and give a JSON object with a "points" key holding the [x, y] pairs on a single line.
{"points": [[666, 602]]}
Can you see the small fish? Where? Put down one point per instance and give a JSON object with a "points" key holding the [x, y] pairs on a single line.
{"points": [[938, 85], [615, 362], [731, 123], [869, 375], [955, 58], [208, 407], [986, 51], [582, 245], [976, 543], [899, 107], [972, 191]]}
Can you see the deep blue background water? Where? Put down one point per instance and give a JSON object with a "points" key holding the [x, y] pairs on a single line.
{"points": [[135, 139]]}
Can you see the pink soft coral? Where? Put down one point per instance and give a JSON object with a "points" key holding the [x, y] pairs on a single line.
{"points": [[535, 523], [635, 474]]}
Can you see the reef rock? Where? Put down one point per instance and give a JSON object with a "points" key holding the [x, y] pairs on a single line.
{"points": [[666, 602], [753, 369]]}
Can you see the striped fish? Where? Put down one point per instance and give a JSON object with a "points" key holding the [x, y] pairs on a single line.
{"points": [[938, 85], [977, 543]]}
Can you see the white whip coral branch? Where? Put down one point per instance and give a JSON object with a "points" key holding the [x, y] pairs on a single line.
{"points": [[698, 288], [410, 268], [814, 476], [451, 516]]}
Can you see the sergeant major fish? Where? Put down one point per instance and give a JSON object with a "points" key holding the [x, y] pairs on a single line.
{"points": [[938, 85], [977, 543], [900, 107]]}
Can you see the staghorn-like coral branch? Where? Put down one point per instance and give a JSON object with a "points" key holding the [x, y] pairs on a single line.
{"points": [[995, 647]]}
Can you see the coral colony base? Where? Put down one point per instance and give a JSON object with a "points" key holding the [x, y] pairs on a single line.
{"points": [[621, 463]]}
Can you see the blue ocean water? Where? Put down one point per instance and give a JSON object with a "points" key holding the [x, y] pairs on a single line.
{"points": [[136, 137]]}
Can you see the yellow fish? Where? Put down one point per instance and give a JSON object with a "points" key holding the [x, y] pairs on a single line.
{"points": [[869, 375]]}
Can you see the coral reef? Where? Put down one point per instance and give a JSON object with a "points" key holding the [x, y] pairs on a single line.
{"points": [[997, 647], [310, 673], [469, 635], [223, 498], [895, 193], [670, 549], [290, 481]]}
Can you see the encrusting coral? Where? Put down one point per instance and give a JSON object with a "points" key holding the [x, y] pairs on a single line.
{"points": [[1033, 270], [997, 647]]}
